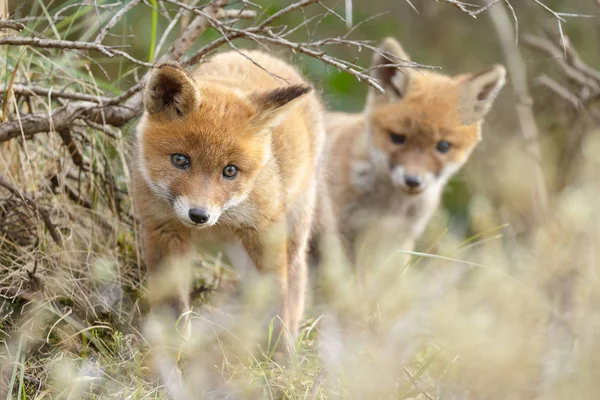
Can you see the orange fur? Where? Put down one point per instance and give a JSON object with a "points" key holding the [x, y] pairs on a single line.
{"points": [[369, 170], [229, 112]]}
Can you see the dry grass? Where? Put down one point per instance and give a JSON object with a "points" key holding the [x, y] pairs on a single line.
{"points": [[498, 313], [486, 318]]}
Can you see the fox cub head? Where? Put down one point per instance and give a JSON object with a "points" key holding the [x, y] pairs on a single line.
{"points": [[423, 129], [202, 144]]}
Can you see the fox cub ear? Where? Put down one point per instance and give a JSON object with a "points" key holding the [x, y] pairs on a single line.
{"points": [[271, 105], [394, 80], [171, 91], [477, 92]]}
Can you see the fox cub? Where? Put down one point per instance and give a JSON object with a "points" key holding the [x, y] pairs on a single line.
{"points": [[388, 166], [227, 156]]}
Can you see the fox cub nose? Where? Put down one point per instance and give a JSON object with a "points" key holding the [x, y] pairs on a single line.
{"points": [[199, 215], [412, 181]]}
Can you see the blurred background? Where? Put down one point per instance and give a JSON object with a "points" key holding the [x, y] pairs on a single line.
{"points": [[504, 308]]}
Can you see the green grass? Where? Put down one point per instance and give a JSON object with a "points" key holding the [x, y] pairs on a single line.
{"points": [[153, 32]]}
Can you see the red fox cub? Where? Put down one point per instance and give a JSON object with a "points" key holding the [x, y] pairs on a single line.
{"points": [[228, 156], [388, 166]]}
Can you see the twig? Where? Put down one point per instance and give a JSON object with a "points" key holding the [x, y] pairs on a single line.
{"points": [[34, 123], [318, 55], [515, 20], [115, 19], [185, 41], [548, 48], [284, 11], [485, 8], [464, 7], [10, 24], [78, 158], [56, 44], [125, 95], [40, 91], [559, 90], [104, 128], [551, 11], [523, 107], [168, 30], [235, 14], [270, 37], [34, 206], [113, 113]]}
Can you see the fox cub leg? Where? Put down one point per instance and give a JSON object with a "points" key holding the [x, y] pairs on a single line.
{"points": [[268, 251], [168, 258], [300, 221]]}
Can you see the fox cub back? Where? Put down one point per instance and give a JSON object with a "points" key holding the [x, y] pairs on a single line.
{"points": [[388, 166], [227, 156]]}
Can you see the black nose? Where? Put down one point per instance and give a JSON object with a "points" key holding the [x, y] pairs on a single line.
{"points": [[412, 181], [199, 215]]}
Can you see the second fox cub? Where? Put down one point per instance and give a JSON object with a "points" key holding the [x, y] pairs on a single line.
{"points": [[227, 156], [388, 166]]}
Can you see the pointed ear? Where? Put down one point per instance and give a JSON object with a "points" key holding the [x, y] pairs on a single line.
{"points": [[477, 92], [394, 80], [171, 91], [272, 105]]}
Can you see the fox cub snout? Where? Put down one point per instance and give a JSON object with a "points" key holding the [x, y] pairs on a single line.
{"points": [[228, 156], [392, 161]]}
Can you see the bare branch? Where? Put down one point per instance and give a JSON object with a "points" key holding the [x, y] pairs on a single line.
{"points": [[78, 158], [115, 19], [10, 24], [523, 108], [63, 116], [574, 60], [267, 36], [551, 11], [559, 90], [111, 112], [44, 214], [40, 91], [235, 14], [56, 44], [272, 38], [485, 8], [515, 20], [284, 11], [548, 48], [125, 95]]}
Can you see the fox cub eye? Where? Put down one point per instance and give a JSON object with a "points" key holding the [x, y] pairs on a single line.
{"points": [[180, 161], [443, 146], [230, 172], [398, 139]]}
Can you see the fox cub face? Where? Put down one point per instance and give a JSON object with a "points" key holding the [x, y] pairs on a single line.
{"points": [[424, 127], [202, 144]]}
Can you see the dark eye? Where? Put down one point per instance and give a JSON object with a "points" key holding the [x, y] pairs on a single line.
{"points": [[180, 161], [230, 172], [443, 146], [398, 139]]}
